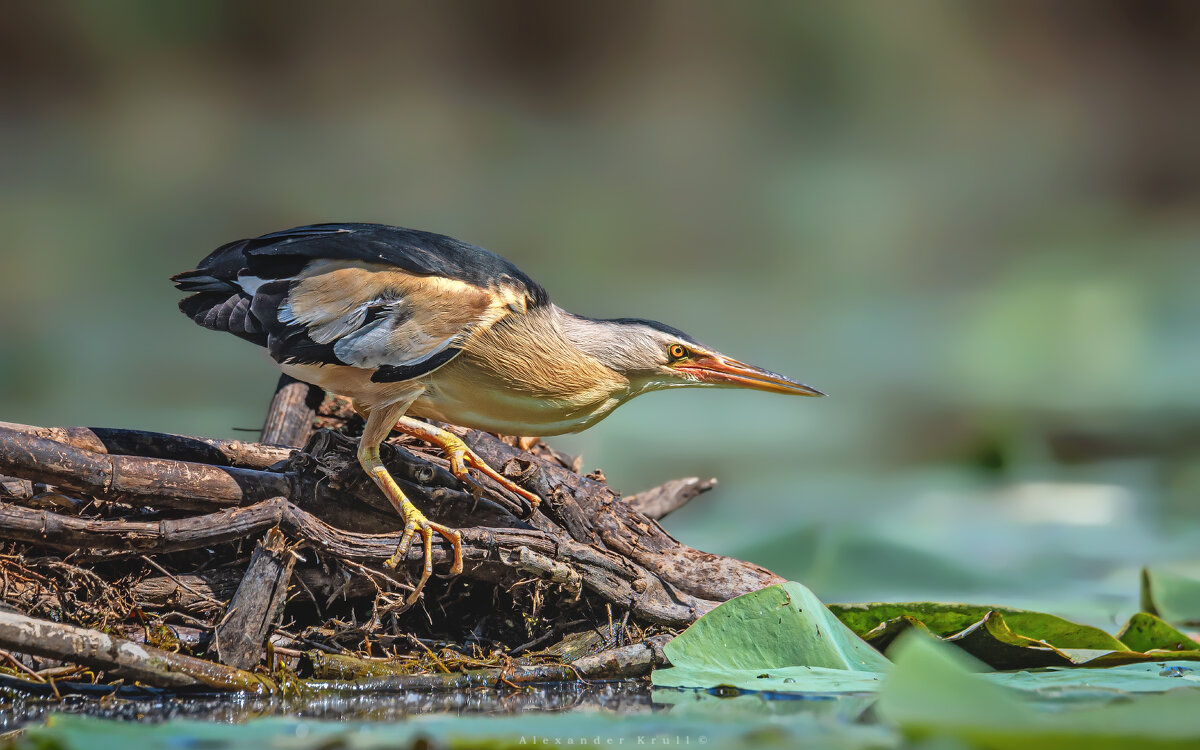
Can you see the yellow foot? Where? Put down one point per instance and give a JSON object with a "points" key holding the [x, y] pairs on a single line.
{"points": [[414, 521], [462, 458], [378, 424]]}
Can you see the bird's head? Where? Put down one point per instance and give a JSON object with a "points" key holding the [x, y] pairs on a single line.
{"points": [[654, 356]]}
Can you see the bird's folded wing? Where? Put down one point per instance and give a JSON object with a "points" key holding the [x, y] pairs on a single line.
{"points": [[394, 300], [375, 316]]}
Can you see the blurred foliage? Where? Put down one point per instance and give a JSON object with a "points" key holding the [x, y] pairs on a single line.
{"points": [[1173, 595], [973, 223]]}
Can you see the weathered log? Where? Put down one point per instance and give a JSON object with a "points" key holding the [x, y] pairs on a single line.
{"points": [[17, 488], [327, 479], [179, 484], [171, 484], [71, 532], [123, 658], [119, 442], [658, 502], [207, 593], [240, 636], [203, 594], [290, 416]]}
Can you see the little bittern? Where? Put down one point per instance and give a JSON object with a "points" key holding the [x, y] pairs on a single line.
{"points": [[414, 324]]}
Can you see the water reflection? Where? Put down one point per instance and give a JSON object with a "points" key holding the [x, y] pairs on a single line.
{"points": [[625, 698]]}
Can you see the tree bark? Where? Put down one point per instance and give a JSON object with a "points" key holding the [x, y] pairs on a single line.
{"points": [[124, 658], [291, 413], [658, 502], [256, 606]]}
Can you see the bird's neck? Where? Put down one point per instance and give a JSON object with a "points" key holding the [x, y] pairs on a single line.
{"points": [[604, 341], [583, 334], [608, 342], [542, 353]]}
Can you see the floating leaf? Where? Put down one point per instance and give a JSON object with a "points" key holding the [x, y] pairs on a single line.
{"points": [[947, 619], [991, 641], [1145, 632], [780, 638], [882, 635], [931, 693]]}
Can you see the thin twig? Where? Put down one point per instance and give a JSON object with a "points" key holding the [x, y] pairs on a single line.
{"points": [[8, 657]]}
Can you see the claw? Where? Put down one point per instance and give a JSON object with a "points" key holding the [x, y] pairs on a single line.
{"points": [[415, 521], [462, 459]]}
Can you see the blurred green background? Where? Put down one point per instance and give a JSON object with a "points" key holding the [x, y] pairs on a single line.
{"points": [[975, 224]]}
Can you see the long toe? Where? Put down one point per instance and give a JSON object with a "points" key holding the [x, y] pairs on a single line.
{"points": [[461, 457], [455, 539], [410, 530], [474, 460]]}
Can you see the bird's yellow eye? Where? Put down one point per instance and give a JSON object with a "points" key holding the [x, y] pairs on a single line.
{"points": [[677, 351]]}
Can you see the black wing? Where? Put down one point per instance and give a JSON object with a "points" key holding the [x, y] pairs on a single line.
{"points": [[405, 323]]}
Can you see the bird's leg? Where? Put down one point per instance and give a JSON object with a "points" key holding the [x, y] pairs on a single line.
{"points": [[379, 424], [461, 457]]}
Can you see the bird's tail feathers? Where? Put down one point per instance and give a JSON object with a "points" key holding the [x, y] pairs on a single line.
{"points": [[200, 281]]}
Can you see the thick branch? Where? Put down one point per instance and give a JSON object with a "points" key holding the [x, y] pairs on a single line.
{"points": [[176, 483], [71, 532], [658, 502], [290, 416], [123, 658], [166, 483], [120, 442], [240, 636]]}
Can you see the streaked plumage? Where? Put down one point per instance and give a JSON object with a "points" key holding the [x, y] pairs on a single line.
{"points": [[413, 323]]}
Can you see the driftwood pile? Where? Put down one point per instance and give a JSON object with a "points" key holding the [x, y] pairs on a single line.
{"points": [[191, 563]]}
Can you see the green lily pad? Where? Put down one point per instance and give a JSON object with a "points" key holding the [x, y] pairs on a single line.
{"points": [[1171, 596], [1145, 632], [992, 641], [946, 619], [782, 639], [779, 638], [885, 633], [932, 694]]}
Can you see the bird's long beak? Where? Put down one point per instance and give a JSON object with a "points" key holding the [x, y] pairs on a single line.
{"points": [[718, 369]]}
